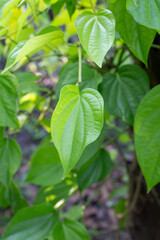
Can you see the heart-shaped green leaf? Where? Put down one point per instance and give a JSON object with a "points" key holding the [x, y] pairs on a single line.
{"points": [[76, 122], [145, 12], [137, 37], [123, 91], [147, 137], [96, 33]]}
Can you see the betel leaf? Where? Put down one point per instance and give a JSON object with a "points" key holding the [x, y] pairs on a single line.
{"points": [[10, 159], [124, 91], [147, 137], [25, 48], [34, 223], [8, 101], [70, 229], [137, 37], [46, 168], [145, 12], [56, 194], [69, 73], [76, 122], [95, 170], [96, 33]]}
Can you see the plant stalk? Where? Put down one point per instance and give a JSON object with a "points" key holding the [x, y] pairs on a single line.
{"points": [[92, 5], [80, 64]]}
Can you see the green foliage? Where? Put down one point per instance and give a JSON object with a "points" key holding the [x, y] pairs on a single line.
{"points": [[94, 170], [69, 73], [129, 85], [49, 52], [8, 101], [46, 168], [93, 33], [11, 196], [25, 48], [34, 222], [146, 13], [147, 134], [70, 230], [10, 159], [137, 37], [78, 117]]}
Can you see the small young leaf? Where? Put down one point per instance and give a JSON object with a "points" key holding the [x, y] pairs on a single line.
{"points": [[145, 12], [124, 91], [70, 229], [76, 122], [46, 168], [96, 33], [10, 159], [69, 73], [34, 223], [95, 170], [8, 101], [25, 48], [137, 37], [147, 137]]}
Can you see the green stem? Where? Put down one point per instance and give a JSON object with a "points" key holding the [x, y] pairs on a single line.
{"points": [[155, 46], [92, 5], [80, 64]]}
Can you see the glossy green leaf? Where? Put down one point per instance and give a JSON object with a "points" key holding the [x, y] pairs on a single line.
{"points": [[34, 223], [8, 101], [70, 229], [76, 122], [95, 170], [145, 12], [56, 194], [25, 48], [69, 75], [33, 6], [124, 91], [46, 168], [96, 33], [10, 159], [11, 196], [147, 137], [137, 37]]}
